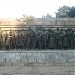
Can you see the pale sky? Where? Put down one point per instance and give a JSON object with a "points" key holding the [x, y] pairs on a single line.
{"points": [[36, 8]]}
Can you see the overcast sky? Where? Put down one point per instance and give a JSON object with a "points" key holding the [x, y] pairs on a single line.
{"points": [[37, 8]]}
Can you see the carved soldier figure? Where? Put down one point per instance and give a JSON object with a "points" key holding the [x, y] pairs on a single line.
{"points": [[13, 41], [44, 39], [1, 39], [39, 39], [51, 39], [16, 39], [74, 39], [6, 44], [34, 40], [60, 40], [30, 38], [10, 40], [20, 41], [70, 36], [57, 33], [65, 40], [25, 39]]}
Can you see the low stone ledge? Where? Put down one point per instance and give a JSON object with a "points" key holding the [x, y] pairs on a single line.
{"points": [[38, 64], [1, 64], [68, 64], [7, 64], [53, 57], [17, 64]]}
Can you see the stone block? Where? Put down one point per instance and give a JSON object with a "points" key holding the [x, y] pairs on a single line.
{"points": [[71, 19], [52, 22], [1, 64], [52, 19], [48, 64], [58, 23], [17, 64], [74, 23], [50, 56], [60, 19], [26, 64], [56, 64], [68, 64], [7, 64], [46, 23], [2, 57], [12, 57]]}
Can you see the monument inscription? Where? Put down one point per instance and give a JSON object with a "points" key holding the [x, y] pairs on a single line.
{"points": [[37, 56]]}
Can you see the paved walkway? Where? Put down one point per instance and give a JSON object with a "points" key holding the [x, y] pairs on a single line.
{"points": [[37, 70]]}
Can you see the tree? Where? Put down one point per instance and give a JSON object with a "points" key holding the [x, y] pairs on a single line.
{"points": [[25, 19], [63, 12], [72, 12], [47, 16]]}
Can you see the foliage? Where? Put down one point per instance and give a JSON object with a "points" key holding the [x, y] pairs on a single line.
{"points": [[63, 12], [25, 19], [47, 16], [72, 12]]}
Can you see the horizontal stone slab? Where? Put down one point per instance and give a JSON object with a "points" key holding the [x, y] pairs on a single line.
{"points": [[37, 56]]}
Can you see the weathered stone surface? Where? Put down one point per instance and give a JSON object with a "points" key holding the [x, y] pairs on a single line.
{"points": [[2, 57], [7, 64], [17, 64], [37, 70], [46, 57], [12, 57], [52, 21]]}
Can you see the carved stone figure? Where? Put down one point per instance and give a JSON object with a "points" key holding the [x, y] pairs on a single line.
{"points": [[34, 40], [30, 38], [44, 39], [74, 40], [60, 40], [1, 39], [39, 39], [6, 42], [65, 40], [51, 39], [70, 37], [20, 41], [13, 41], [57, 33], [16, 39], [10, 40], [25, 40]]}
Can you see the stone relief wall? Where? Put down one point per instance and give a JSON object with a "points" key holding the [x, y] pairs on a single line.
{"points": [[52, 21], [39, 21], [63, 56]]}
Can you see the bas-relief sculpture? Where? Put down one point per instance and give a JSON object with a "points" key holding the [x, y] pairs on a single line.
{"points": [[39, 39], [45, 39]]}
